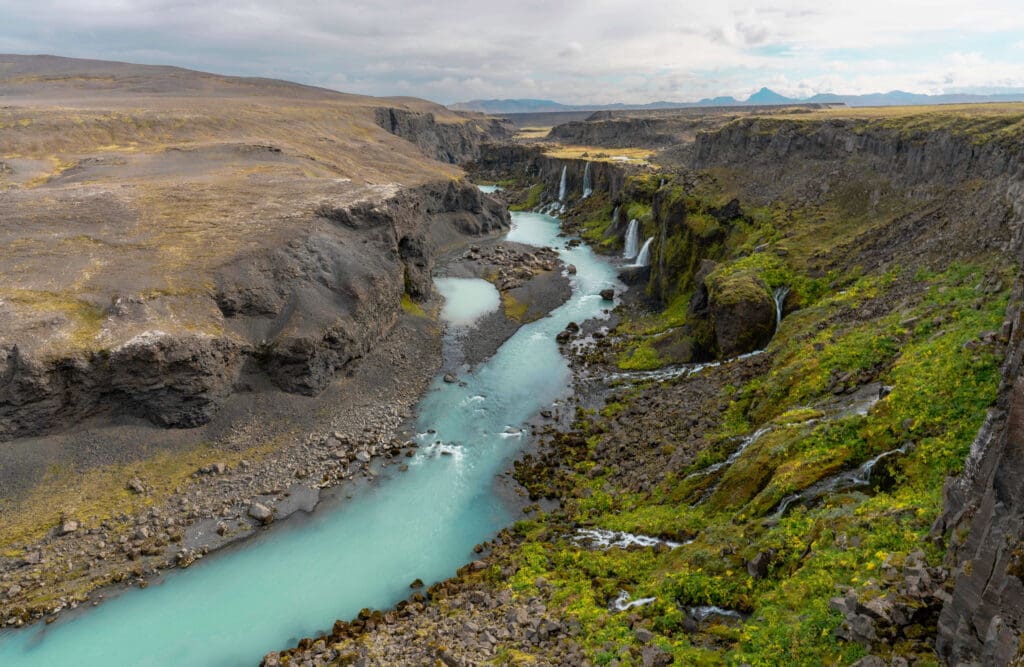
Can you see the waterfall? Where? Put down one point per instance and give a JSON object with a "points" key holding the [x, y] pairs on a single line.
{"points": [[662, 184], [599, 538], [644, 258], [632, 240], [779, 295], [587, 187], [561, 185], [849, 479], [746, 442], [623, 602], [615, 218]]}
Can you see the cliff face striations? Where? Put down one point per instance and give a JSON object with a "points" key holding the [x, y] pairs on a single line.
{"points": [[165, 245], [453, 140], [983, 518]]}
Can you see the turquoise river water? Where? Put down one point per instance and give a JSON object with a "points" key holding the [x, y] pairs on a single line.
{"points": [[295, 579]]}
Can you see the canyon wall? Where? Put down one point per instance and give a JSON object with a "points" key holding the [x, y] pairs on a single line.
{"points": [[963, 194], [296, 314], [531, 164], [453, 142]]}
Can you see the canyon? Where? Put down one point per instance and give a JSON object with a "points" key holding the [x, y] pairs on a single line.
{"points": [[787, 430]]}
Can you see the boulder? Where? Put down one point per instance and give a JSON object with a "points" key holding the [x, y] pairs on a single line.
{"points": [[757, 567], [261, 513], [69, 526], [608, 294], [742, 312]]}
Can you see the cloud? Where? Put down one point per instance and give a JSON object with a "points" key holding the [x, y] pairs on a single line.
{"points": [[570, 50]]}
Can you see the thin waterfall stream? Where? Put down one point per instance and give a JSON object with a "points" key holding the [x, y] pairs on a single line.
{"points": [[632, 247]]}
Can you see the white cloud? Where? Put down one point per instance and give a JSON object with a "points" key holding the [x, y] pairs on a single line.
{"points": [[570, 50]]}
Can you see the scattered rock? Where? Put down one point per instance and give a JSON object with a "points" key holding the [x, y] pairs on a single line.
{"points": [[261, 513], [757, 567]]}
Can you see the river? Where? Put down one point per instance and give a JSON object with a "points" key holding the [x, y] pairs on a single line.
{"points": [[292, 581]]}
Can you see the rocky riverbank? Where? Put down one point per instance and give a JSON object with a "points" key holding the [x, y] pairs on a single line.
{"points": [[219, 302], [779, 507], [230, 498]]}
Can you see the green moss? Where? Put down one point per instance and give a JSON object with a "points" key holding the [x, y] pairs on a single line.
{"points": [[941, 383], [515, 309], [734, 287], [640, 357], [411, 307], [703, 225], [532, 200]]}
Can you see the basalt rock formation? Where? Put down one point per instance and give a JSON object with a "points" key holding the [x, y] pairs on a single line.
{"points": [[170, 235], [983, 518], [530, 163], [452, 142]]}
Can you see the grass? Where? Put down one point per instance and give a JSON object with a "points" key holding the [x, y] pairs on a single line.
{"points": [[635, 156], [532, 200], [98, 494], [515, 309], [940, 390], [84, 321], [532, 133]]}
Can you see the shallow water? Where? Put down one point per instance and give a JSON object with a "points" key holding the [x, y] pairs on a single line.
{"points": [[295, 579], [466, 299]]}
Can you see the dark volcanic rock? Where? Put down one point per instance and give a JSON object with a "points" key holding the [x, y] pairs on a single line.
{"points": [[298, 313], [742, 313], [504, 160], [451, 142], [983, 516], [172, 381]]}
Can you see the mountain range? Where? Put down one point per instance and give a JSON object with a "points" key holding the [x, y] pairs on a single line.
{"points": [[765, 96]]}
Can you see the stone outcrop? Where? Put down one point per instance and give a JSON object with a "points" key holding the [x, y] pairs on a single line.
{"points": [[924, 156], [618, 133], [962, 193], [172, 381], [296, 314], [452, 142], [531, 164], [983, 517]]}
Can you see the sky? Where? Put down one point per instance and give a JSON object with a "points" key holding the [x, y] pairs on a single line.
{"points": [[571, 51]]}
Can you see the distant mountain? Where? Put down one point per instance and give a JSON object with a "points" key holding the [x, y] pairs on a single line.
{"points": [[763, 97], [513, 106], [548, 106], [726, 101], [768, 97]]}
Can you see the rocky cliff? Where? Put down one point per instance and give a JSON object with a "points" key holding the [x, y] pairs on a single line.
{"points": [[455, 141], [619, 133], [983, 519], [962, 194], [532, 165], [297, 312], [170, 236]]}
